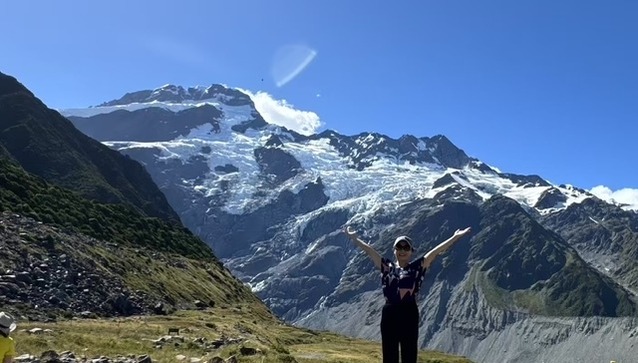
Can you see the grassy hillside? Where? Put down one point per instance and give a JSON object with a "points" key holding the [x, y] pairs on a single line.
{"points": [[529, 267], [26, 194], [603, 233], [48, 145]]}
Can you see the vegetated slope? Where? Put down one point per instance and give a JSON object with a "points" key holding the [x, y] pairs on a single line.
{"points": [[48, 145]]}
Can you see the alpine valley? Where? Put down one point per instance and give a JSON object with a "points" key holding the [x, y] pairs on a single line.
{"points": [[549, 273], [96, 266]]}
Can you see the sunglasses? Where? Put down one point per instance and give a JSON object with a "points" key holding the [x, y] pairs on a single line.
{"points": [[403, 247]]}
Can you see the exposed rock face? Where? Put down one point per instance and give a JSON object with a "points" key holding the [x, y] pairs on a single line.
{"points": [[447, 153], [277, 164], [550, 198], [446, 179], [526, 180], [364, 149], [149, 124], [605, 235]]}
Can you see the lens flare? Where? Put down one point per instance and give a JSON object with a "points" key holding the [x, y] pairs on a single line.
{"points": [[290, 61]]}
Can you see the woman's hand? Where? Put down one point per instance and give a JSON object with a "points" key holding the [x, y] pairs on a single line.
{"points": [[462, 232], [350, 232], [443, 246]]}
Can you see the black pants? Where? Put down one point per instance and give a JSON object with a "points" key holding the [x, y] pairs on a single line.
{"points": [[399, 327]]}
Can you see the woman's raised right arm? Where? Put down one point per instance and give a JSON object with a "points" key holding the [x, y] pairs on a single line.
{"points": [[371, 252]]}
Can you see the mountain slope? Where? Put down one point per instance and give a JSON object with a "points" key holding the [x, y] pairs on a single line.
{"points": [[63, 255], [527, 256], [48, 145], [26, 194], [604, 234], [69, 255]]}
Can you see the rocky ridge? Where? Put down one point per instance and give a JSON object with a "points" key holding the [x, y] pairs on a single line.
{"points": [[39, 277], [48, 273]]}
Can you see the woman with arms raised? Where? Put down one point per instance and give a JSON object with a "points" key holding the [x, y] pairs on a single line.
{"points": [[401, 281]]}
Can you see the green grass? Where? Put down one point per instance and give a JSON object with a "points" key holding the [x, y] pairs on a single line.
{"points": [[572, 291], [168, 275], [497, 297], [23, 193], [275, 341]]}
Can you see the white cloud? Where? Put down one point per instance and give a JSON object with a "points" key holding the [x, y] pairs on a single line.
{"points": [[626, 196], [282, 113]]}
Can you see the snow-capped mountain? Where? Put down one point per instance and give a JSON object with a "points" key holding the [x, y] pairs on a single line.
{"points": [[384, 170], [272, 204]]}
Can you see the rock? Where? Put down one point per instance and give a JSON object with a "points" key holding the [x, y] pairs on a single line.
{"points": [[195, 360], [121, 304], [87, 315], [24, 277], [180, 357], [200, 340], [24, 358], [217, 343], [231, 359], [36, 331], [50, 356], [67, 354], [159, 309], [216, 360], [171, 338], [200, 304], [247, 351], [550, 198], [9, 278], [9, 289], [144, 359]]}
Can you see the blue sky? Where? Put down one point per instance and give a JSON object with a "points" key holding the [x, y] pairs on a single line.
{"points": [[532, 87]]}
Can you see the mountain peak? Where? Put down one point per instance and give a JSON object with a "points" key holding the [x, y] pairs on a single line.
{"points": [[171, 93]]}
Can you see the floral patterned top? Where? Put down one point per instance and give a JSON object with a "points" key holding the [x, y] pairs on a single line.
{"points": [[401, 285]]}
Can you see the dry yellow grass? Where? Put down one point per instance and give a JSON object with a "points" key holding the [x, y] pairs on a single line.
{"points": [[253, 325]]}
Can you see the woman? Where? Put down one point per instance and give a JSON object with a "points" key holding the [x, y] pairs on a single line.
{"points": [[401, 281], [7, 345]]}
